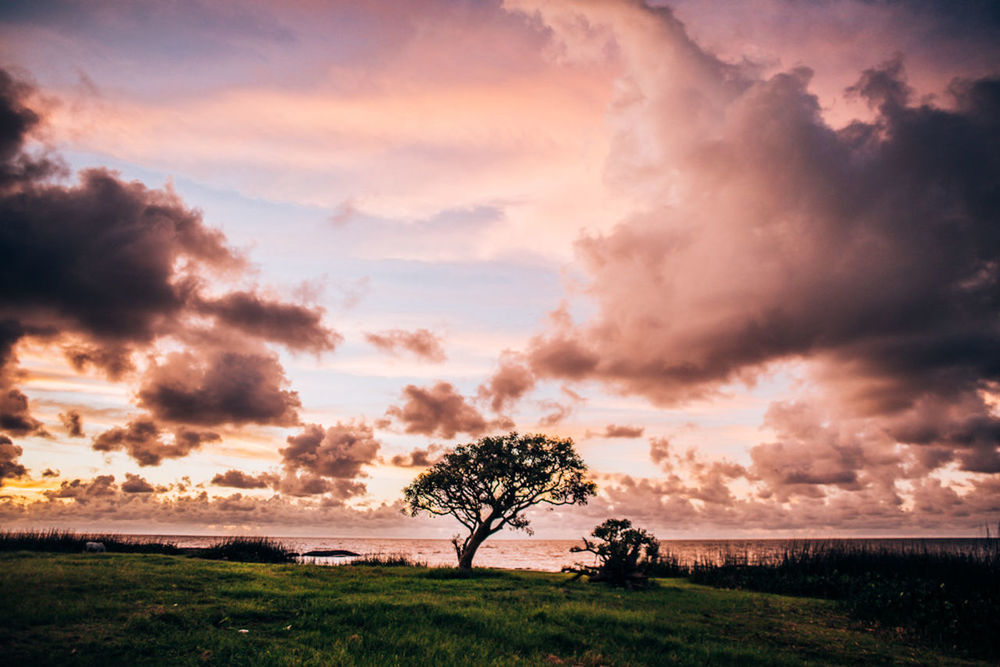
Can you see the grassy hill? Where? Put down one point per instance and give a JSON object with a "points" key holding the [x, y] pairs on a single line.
{"points": [[156, 609]]}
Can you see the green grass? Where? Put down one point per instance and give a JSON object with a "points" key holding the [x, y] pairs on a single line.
{"points": [[154, 609]]}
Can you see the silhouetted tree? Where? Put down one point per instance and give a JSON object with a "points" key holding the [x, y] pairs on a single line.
{"points": [[489, 483], [626, 555]]}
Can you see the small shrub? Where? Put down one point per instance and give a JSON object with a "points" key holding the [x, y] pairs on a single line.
{"points": [[627, 555]]}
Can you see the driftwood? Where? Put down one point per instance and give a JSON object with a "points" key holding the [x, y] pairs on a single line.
{"points": [[331, 552]]}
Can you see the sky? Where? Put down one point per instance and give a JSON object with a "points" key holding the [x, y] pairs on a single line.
{"points": [[263, 263]]}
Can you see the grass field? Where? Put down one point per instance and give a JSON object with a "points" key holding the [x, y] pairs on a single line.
{"points": [[157, 609]]}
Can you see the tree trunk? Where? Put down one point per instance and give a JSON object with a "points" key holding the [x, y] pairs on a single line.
{"points": [[465, 558]]}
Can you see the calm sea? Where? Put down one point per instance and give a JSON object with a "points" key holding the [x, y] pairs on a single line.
{"points": [[552, 555]]}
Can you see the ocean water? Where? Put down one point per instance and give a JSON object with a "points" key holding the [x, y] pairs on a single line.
{"points": [[552, 555]]}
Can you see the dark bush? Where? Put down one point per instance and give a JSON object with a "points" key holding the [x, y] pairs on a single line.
{"points": [[247, 550], [627, 556]]}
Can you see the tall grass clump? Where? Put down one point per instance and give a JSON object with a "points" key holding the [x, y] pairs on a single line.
{"points": [[248, 550], [947, 599], [64, 541], [396, 559]]}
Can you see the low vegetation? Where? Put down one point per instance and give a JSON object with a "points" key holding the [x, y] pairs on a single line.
{"points": [[247, 550], [398, 559], [943, 599], [62, 541], [100, 609]]}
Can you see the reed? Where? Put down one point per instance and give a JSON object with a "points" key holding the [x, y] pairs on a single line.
{"points": [[64, 541], [947, 599], [379, 559]]}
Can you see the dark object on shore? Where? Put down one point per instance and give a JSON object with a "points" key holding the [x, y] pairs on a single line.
{"points": [[627, 555], [246, 550], [949, 600], [331, 552], [64, 541]]}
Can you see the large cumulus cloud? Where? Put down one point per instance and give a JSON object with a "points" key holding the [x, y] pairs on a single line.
{"points": [[761, 234], [107, 268], [327, 461]]}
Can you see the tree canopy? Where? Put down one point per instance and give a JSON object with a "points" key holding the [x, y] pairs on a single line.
{"points": [[488, 484]]}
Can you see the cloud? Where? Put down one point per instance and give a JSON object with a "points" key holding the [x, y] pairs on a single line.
{"points": [[297, 327], [419, 457], [72, 422], [870, 254], [14, 415], [616, 431], [557, 412], [421, 343], [143, 440], [338, 452], [135, 484], [49, 472], [238, 479], [510, 381], [812, 454], [106, 268], [101, 504], [9, 467], [220, 387], [438, 411], [82, 491]]}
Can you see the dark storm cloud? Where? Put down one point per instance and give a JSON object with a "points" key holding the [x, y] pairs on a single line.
{"points": [[9, 467], [144, 441], [421, 343], [438, 411], [108, 268], [220, 387]]}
